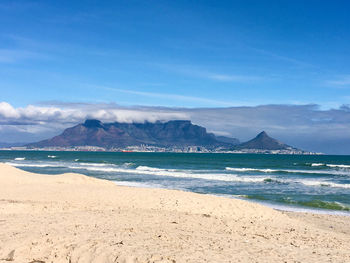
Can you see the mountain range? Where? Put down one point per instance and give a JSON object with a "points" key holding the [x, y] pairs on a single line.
{"points": [[175, 133]]}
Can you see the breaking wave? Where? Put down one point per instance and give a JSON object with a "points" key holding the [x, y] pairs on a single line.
{"points": [[250, 170], [338, 165], [331, 165], [332, 172], [145, 170], [33, 164], [324, 184], [126, 168]]}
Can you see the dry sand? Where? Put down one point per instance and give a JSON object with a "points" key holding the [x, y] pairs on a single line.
{"points": [[75, 218]]}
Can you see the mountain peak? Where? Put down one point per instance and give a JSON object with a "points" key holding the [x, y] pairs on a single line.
{"points": [[92, 123], [264, 142], [262, 134]]}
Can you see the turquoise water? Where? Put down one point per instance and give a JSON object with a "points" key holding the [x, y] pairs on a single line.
{"points": [[287, 182]]}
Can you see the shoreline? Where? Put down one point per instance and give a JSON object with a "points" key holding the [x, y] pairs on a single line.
{"points": [[341, 210], [276, 206], [76, 218]]}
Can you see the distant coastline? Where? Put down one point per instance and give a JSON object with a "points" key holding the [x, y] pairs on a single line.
{"points": [[153, 149]]}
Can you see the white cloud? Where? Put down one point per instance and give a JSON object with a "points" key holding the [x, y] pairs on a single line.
{"points": [[232, 78], [7, 111], [175, 97], [198, 72], [15, 55], [78, 112], [342, 82]]}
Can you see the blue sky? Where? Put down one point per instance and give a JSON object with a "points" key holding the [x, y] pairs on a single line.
{"points": [[61, 61], [175, 53]]}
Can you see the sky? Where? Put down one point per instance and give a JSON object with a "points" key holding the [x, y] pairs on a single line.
{"points": [[62, 61]]}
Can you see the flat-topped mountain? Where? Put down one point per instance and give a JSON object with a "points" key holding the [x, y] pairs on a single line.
{"points": [[166, 134], [264, 142], [171, 134]]}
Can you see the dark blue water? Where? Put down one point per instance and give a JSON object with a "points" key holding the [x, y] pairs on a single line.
{"points": [[285, 181]]}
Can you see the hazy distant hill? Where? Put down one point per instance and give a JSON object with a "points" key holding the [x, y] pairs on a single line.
{"points": [[96, 133], [264, 142], [14, 144]]}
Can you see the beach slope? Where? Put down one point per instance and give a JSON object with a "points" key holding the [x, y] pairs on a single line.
{"points": [[75, 218]]}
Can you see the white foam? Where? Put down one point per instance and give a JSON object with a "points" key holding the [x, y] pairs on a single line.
{"points": [[347, 186], [99, 168], [52, 156], [333, 172], [153, 169], [20, 159], [323, 183], [205, 176], [96, 164], [250, 170], [138, 184], [317, 164], [331, 165], [197, 174], [338, 165], [33, 164], [145, 170]]}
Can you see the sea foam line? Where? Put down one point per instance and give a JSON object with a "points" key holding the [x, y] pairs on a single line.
{"points": [[225, 177], [338, 165], [331, 165], [145, 170], [176, 173], [317, 164], [33, 165], [250, 170], [332, 172], [216, 176], [97, 164], [324, 183], [138, 184]]}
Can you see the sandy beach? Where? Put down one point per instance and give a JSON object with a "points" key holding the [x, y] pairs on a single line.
{"points": [[75, 218]]}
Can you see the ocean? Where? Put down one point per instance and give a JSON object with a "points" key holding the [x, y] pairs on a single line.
{"points": [[317, 183]]}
